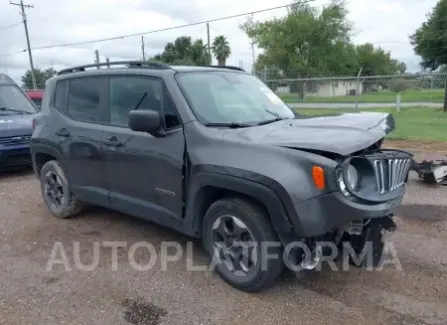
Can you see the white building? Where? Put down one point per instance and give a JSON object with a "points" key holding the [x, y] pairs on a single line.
{"points": [[333, 88], [321, 88]]}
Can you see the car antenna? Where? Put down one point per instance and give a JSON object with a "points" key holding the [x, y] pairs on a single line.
{"points": [[140, 101]]}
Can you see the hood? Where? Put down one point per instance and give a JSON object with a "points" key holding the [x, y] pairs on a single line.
{"points": [[339, 133], [15, 125]]}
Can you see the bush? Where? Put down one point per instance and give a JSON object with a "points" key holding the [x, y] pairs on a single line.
{"points": [[399, 85]]}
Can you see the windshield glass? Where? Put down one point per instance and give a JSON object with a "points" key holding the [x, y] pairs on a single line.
{"points": [[12, 98], [227, 97]]}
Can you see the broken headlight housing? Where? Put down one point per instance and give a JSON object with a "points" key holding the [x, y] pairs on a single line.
{"points": [[349, 175]]}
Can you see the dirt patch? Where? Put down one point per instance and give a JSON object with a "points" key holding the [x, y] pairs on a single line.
{"points": [[426, 212], [142, 313], [436, 146]]}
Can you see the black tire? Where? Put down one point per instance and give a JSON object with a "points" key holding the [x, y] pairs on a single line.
{"points": [[256, 220], [69, 205]]}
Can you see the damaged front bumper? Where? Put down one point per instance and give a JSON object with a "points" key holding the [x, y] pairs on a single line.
{"points": [[322, 214], [377, 192]]}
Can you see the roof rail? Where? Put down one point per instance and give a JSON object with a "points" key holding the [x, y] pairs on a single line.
{"points": [[226, 67], [129, 64]]}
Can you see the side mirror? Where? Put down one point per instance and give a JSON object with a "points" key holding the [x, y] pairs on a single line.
{"points": [[145, 121]]}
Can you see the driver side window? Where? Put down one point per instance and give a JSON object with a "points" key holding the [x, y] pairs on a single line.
{"points": [[131, 92]]}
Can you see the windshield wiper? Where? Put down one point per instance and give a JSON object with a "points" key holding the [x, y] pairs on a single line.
{"points": [[4, 109], [276, 119], [230, 125]]}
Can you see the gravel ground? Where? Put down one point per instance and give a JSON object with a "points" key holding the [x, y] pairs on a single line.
{"points": [[32, 294]]}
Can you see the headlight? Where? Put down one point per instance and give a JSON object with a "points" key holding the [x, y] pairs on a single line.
{"points": [[352, 177]]}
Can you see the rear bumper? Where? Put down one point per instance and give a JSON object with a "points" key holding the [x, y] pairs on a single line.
{"points": [[16, 156], [322, 214]]}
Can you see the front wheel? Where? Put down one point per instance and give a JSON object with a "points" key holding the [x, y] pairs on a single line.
{"points": [[245, 250], [56, 191]]}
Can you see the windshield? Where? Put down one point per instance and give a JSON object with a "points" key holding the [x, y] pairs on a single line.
{"points": [[227, 97], [12, 98]]}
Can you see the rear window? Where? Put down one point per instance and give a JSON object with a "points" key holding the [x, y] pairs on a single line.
{"points": [[13, 98]]}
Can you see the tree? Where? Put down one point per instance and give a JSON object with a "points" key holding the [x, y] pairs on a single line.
{"points": [[183, 51], [41, 77], [221, 49], [306, 42], [309, 42], [375, 61], [430, 40]]}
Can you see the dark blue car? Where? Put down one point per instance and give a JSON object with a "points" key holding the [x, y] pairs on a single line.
{"points": [[16, 118]]}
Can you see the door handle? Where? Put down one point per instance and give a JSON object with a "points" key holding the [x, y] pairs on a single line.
{"points": [[62, 133], [113, 142]]}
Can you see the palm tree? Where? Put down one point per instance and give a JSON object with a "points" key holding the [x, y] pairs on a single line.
{"points": [[221, 49]]}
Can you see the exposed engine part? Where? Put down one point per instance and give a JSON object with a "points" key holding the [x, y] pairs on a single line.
{"points": [[306, 256], [370, 234], [311, 262], [433, 172], [355, 227]]}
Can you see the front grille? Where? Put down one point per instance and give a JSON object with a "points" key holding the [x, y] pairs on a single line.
{"points": [[390, 174], [15, 140]]}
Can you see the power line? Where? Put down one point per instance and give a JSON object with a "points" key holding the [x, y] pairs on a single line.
{"points": [[165, 29], [11, 54], [10, 26]]}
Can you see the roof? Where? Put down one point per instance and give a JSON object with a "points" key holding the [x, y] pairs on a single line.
{"points": [[143, 65], [200, 68]]}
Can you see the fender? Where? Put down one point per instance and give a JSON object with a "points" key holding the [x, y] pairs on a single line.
{"points": [[194, 212], [37, 147]]}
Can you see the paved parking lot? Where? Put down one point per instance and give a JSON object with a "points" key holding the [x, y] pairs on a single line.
{"points": [[30, 294]]}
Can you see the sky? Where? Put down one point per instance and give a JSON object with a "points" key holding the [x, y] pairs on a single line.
{"points": [[385, 23]]}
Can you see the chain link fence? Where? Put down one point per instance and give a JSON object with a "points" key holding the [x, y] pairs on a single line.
{"points": [[416, 89]]}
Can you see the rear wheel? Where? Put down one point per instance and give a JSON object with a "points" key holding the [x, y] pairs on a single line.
{"points": [[56, 191], [237, 235]]}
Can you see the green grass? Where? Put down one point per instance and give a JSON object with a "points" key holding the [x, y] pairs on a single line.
{"points": [[409, 96], [412, 123]]}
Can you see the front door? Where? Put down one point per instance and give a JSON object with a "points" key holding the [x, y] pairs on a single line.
{"points": [[144, 172]]}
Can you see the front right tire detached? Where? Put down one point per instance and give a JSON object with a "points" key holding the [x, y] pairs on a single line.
{"points": [[250, 221], [56, 191]]}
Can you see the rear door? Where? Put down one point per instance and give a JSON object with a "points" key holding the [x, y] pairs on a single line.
{"points": [[82, 104], [144, 172]]}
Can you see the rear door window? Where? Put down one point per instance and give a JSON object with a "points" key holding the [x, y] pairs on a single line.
{"points": [[85, 99]]}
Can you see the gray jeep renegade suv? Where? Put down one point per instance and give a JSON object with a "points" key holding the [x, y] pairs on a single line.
{"points": [[213, 153]]}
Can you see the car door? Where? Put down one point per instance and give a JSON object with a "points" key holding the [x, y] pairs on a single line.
{"points": [[81, 102], [145, 173]]}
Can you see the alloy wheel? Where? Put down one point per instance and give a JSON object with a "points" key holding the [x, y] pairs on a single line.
{"points": [[53, 189], [234, 245]]}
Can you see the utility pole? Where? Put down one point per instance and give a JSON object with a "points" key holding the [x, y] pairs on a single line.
{"points": [[209, 43], [23, 6], [97, 57], [253, 51], [357, 92], [142, 47]]}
